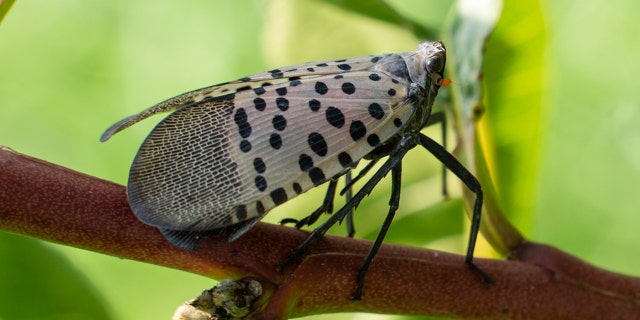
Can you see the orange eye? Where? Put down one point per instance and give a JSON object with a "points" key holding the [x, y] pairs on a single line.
{"points": [[445, 82]]}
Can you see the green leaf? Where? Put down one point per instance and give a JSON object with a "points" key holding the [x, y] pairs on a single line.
{"points": [[382, 11], [85, 65], [298, 31], [511, 125], [444, 219], [586, 196], [5, 6], [472, 22], [40, 283]]}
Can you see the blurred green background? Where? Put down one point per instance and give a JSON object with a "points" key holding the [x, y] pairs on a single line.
{"points": [[562, 125]]}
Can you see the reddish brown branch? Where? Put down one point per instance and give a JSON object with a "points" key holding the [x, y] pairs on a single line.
{"points": [[49, 202]]}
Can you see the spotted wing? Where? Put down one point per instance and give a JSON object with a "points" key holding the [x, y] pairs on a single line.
{"points": [[254, 82], [227, 160]]}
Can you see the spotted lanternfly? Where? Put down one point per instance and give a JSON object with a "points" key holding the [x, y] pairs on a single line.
{"points": [[231, 152]]}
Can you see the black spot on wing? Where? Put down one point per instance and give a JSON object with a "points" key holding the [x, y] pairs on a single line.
{"points": [[245, 88], [348, 88], [317, 176], [279, 122], [279, 196], [375, 110], [241, 212], [305, 162], [321, 88], [276, 73], [275, 141], [260, 208], [261, 183], [345, 159], [282, 103], [260, 104], [373, 140], [240, 118], [317, 144], [335, 117], [357, 130], [259, 165], [314, 105], [245, 146]]}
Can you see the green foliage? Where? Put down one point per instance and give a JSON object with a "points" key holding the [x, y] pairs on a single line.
{"points": [[38, 283], [560, 128], [5, 6], [587, 185], [512, 124]]}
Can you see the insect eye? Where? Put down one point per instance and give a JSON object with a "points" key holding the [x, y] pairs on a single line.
{"points": [[435, 64]]}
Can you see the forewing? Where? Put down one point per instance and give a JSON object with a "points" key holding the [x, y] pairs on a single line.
{"points": [[228, 159], [273, 77]]}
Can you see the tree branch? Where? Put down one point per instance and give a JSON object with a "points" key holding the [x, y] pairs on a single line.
{"points": [[46, 201]]}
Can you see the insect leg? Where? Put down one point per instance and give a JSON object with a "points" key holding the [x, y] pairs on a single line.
{"points": [[351, 230], [472, 183], [326, 206], [340, 214], [435, 118], [361, 174], [394, 201]]}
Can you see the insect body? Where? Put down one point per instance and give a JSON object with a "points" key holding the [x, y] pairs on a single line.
{"points": [[231, 152]]}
